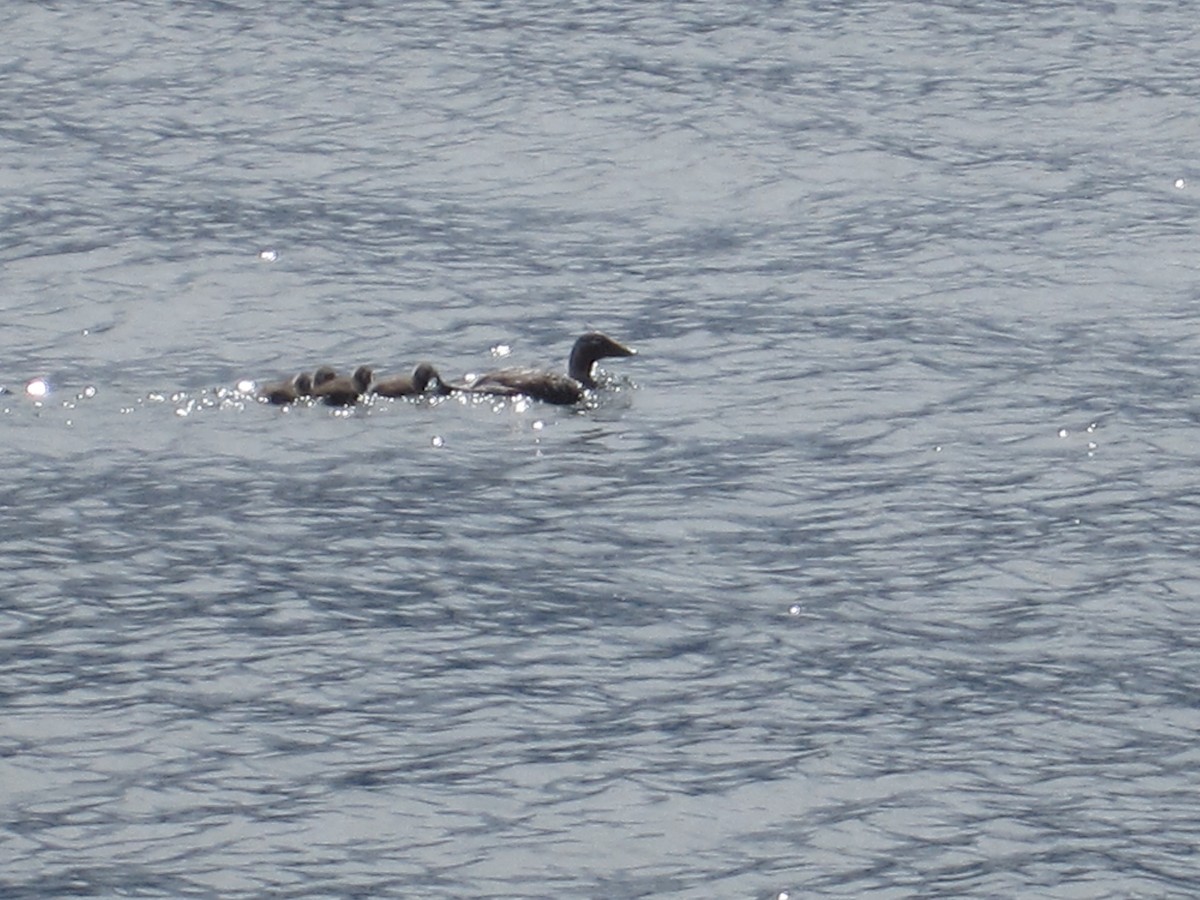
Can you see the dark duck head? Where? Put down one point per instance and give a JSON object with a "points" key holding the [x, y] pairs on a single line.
{"points": [[588, 350], [338, 390], [284, 392], [551, 387], [419, 382]]}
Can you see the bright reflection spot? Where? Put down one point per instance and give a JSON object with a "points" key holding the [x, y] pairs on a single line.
{"points": [[782, 895], [794, 609], [1062, 432], [39, 387], [88, 392], [438, 441], [1091, 428], [539, 425], [268, 255], [246, 386], [1180, 183], [501, 350]]}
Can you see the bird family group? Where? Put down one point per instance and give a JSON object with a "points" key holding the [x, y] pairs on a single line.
{"points": [[327, 386]]}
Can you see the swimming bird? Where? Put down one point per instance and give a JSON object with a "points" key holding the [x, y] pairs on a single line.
{"points": [[289, 391], [338, 390], [418, 382], [552, 387]]}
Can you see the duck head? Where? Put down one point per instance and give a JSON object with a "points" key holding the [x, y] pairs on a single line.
{"points": [[303, 383], [588, 349], [423, 375], [362, 378]]}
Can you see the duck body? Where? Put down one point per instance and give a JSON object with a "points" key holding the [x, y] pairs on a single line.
{"points": [[340, 390], [283, 392], [552, 387], [419, 382], [549, 387]]}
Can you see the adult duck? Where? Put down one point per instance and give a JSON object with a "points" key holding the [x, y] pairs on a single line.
{"points": [[412, 385], [340, 390], [552, 387], [281, 393]]}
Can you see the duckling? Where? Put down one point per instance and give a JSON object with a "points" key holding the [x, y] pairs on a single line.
{"points": [[418, 382], [338, 390], [283, 392]]}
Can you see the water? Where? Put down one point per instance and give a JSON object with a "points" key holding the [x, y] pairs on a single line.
{"points": [[871, 575]]}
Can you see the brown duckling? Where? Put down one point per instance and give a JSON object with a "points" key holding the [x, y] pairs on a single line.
{"points": [[338, 390], [289, 391], [419, 382], [552, 387]]}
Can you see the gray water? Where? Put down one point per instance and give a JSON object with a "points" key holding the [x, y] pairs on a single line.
{"points": [[874, 574]]}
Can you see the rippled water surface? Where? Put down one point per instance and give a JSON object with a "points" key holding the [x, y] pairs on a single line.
{"points": [[872, 574]]}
